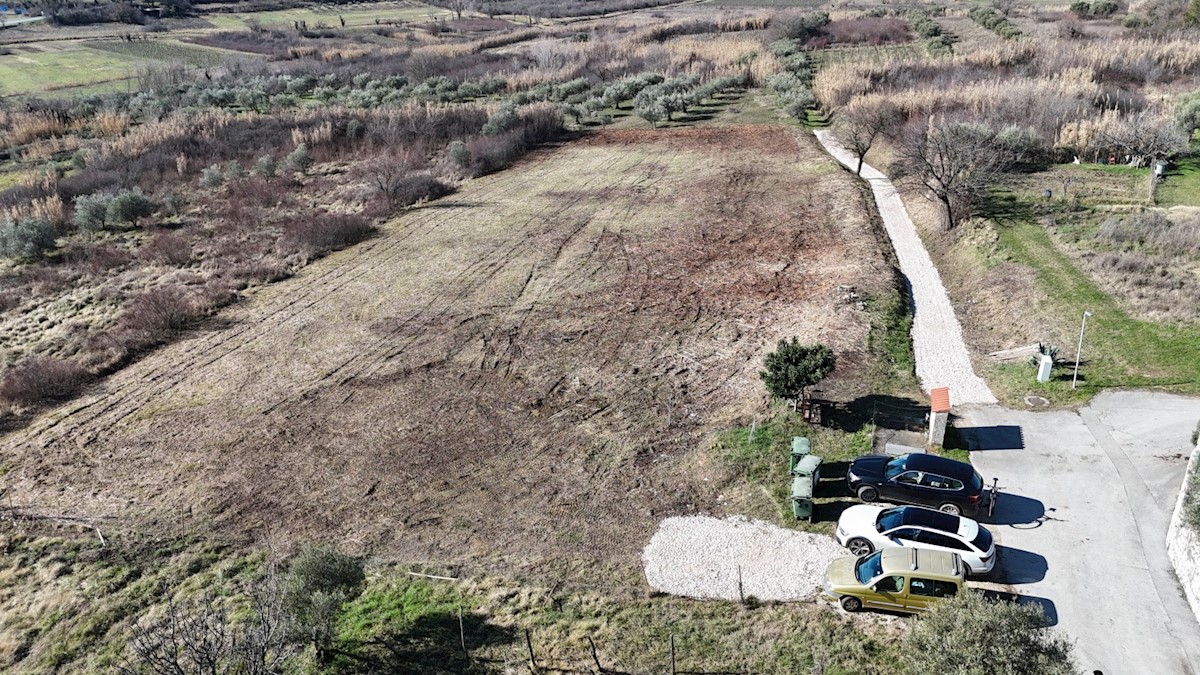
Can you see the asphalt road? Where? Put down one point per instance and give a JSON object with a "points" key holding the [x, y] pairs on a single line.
{"points": [[1082, 520]]}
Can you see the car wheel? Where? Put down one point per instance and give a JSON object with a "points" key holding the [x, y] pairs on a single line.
{"points": [[868, 493], [952, 509], [860, 547], [851, 603]]}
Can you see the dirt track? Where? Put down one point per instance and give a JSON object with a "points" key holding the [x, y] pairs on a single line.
{"points": [[520, 373]]}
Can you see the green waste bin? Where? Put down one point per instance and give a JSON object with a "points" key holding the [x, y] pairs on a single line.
{"points": [[802, 497], [800, 448], [809, 465]]}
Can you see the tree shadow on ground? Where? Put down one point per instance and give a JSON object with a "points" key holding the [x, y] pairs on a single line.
{"points": [[1049, 611], [431, 644], [1004, 208], [879, 409]]}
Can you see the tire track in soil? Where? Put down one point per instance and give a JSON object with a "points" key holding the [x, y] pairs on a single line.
{"points": [[582, 280], [306, 291]]}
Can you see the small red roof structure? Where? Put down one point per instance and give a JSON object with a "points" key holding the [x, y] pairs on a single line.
{"points": [[940, 398]]}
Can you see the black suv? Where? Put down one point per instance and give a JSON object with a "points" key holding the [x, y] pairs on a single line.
{"points": [[917, 478]]}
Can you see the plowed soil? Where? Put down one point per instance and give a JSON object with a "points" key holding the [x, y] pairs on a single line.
{"points": [[520, 375]]}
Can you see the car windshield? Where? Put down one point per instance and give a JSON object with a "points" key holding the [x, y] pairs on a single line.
{"points": [[976, 483], [869, 567], [894, 467], [890, 519], [983, 540]]}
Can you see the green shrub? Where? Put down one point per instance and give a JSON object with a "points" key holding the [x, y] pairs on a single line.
{"points": [[319, 581], [211, 177], [972, 635], [26, 239], [232, 171], [91, 211], [1133, 20], [459, 154], [792, 368], [298, 160], [264, 167], [1187, 111], [129, 206], [502, 120]]}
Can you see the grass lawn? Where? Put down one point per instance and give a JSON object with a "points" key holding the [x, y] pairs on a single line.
{"points": [[1182, 184], [166, 50], [1118, 350], [66, 65]]}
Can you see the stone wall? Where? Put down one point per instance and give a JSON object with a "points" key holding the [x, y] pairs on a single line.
{"points": [[1183, 544]]}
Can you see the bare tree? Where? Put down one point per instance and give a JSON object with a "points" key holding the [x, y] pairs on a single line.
{"points": [[1143, 137], [193, 638], [460, 6], [389, 173], [954, 161], [197, 637], [1005, 7], [862, 122]]}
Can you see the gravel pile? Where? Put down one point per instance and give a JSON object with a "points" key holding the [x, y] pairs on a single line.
{"points": [[700, 557], [942, 358]]}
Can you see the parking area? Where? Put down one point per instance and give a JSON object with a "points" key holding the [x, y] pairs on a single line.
{"points": [[1082, 519]]}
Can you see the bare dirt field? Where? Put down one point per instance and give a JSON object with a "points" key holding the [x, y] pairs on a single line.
{"points": [[519, 375]]}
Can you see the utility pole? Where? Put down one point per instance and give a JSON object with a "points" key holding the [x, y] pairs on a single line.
{"points": [[1079, 348]]}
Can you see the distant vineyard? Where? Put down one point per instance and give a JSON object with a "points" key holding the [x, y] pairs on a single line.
{"points": [[162, 50]]}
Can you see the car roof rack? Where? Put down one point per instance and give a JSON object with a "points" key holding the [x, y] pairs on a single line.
{"points": [[914, 559]]}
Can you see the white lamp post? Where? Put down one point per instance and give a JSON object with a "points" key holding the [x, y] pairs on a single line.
{"points": [[1079, 349]]}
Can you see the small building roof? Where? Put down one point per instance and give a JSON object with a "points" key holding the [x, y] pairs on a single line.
{"points": [[940, 398]]}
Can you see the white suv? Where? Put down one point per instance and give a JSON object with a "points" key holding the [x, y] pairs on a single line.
{"points": [[865, 528]]}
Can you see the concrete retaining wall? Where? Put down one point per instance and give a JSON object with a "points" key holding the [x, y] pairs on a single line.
{"points": [[1183, 544]]}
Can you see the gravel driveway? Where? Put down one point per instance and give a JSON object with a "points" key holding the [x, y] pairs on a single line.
{"points": [[704, 557], [942, 359]]}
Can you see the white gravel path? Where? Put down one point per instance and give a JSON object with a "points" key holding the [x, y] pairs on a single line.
{"points": [[700, 557], [942, 358]]}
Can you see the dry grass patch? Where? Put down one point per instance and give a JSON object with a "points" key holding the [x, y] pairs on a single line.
{"points": [[511, 344]]}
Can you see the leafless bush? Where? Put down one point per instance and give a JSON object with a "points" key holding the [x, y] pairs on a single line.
{"points": [[38, 380], [96, 258], [1152, 229], [868, 31], [156, 314], [167, 248], [324, 232]]}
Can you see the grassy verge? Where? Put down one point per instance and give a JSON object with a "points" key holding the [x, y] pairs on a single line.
{"points": [[759, 455], [67, 604], [1182, 184], [413, 625], [1119, 350]]}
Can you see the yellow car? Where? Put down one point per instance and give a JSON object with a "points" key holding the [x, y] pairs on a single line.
{"points": [[895, 579]]}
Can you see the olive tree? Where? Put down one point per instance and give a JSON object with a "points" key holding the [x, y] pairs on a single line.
{"points": [[26, 238], [973, 635], [1187, 112], [129, 206], [792, 368], [319, 581]]}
